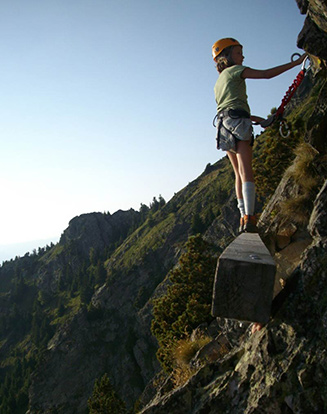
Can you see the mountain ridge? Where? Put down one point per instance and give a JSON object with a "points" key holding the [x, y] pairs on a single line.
{"points": [[82, 308]]}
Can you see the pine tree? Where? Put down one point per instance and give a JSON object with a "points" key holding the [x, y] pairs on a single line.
{"points": [[100, 273], [187, 302], [162, 201], [143, 211], [93, 256], [86, 293], [104, 399], [154, 206], [197, 225]]}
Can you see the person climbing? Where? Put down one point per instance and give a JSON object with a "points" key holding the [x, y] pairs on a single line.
{"points": [[234, 122], [234, 119]]}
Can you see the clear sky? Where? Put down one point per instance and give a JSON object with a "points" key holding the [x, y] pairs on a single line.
{"points": [[105, 104]]}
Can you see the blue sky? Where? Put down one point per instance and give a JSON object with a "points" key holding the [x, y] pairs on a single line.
{"points": [[105, 104]]}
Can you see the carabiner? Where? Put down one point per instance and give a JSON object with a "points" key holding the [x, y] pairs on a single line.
{"points": [[283, 124], [307, 59]]}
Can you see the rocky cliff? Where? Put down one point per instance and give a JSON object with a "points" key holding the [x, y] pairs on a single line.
{"points": [[82, 308], [112, 335], [283, 367]]}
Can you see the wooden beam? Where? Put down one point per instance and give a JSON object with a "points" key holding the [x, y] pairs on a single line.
{"points": [[244, 281]]}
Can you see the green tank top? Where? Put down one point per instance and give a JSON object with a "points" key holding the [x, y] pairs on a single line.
{"points": [[230, 90]]}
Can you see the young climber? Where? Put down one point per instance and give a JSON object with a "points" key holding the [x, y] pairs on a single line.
{"points": [[234, 119]]}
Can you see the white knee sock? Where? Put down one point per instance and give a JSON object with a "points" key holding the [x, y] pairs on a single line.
{"points": [[240, 205], [248, 190]]}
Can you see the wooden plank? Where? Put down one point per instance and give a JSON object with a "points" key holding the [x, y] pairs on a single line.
{"points": [[244, 281]]}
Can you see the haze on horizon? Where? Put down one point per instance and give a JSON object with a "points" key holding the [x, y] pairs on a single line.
{"points": [[106, 104]]}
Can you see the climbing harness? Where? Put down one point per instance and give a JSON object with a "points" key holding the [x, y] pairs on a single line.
{"points": [[232, 125], [233, 113], [284, 129]]}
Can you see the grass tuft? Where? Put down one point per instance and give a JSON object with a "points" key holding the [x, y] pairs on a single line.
{"points": [[307, 179], [184, 352]]}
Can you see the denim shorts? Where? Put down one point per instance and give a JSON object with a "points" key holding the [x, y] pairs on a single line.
{"points": [[230, 129]]}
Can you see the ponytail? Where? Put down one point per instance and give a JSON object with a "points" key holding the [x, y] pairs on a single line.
{"points": [[224, 60]]}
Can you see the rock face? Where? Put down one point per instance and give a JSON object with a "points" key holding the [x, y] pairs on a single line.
{"points": [[282, 368], [94, 231], [98, 230], [112, 333], [317, 124], [313, 36], [113, 337]]}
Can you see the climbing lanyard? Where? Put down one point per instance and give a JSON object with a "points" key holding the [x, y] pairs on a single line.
{"points": [[278, 115], [284, 129]]}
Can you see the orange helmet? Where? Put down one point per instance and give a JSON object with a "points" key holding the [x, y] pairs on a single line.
{"points": [[221, 44]]}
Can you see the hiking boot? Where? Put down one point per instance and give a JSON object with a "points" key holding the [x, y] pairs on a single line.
{"points": [[241, 228], [250, 224]]}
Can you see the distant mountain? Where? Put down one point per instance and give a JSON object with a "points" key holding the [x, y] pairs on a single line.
{"points": [[79, 309], [90, 294], [12, 250]]}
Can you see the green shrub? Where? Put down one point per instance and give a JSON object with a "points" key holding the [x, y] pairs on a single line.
{"points": [[187, 302], [272, 157], [104, 399]]}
